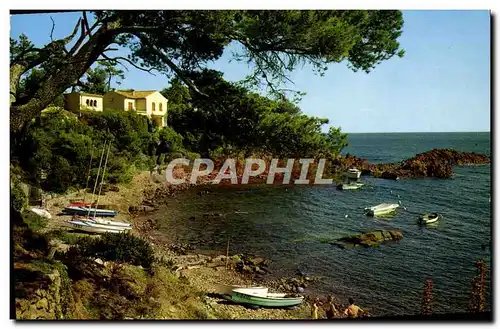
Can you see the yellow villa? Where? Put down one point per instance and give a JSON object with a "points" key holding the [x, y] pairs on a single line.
{"points": [[77, 101], [146, 102]]}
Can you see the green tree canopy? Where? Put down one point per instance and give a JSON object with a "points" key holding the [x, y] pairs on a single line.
{"points": [[183, 41], [234, 118]]}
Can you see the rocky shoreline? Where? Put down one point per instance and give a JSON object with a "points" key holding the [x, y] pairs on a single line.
{"points": [[436, 163]]}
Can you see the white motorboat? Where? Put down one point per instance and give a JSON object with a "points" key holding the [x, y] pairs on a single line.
{"points": [[225, 289], [381, 209], [352, 173], [87, 226], [350, 186], [429, 218]]}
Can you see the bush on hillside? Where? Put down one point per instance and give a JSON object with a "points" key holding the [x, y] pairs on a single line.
{"points": [[18, 198], [114, 247], [56, 151]]}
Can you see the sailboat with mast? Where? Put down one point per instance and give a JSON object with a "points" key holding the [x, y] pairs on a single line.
{"points": [[92, 223]]}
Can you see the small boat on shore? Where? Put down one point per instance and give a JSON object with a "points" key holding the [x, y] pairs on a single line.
{"points": [[103, 221], [41, 212], [275, 300], [350, 186], [224, 289], [429, 218], [95, 228], [86, 211], [381, 209]]}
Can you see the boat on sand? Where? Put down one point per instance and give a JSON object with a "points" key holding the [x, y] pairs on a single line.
{"points": [[86, 211], [275, 300], [224, 289], [103, 221], [94, 227]]}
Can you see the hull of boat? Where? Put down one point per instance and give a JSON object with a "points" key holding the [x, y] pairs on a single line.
{"points": [[103, 221], [351, 186], [94, 228], [426, 219], [224, 289], [271, 300], [352, 174], [42, 212], [381, 209], [84, 211]]}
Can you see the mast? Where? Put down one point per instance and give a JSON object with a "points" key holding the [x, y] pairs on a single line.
{"points": [[88, 176], [97, 178], [102, 179]]}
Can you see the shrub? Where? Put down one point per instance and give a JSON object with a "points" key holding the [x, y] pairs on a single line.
{"points": [[169, 135], [115, 247], [18, 198], [34, 221]]}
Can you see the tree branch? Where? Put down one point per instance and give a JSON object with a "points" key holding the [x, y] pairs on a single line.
{"points": [[52, 30], [172, 66], [86, 23], [117, 60]]}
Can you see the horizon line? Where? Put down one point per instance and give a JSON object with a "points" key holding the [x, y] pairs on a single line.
{"points": [[416, 132]]}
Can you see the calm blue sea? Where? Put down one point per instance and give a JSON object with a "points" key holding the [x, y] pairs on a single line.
{"points": [[292, 227]]}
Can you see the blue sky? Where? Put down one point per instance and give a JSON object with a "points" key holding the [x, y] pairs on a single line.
{"points": [[442, 84]]}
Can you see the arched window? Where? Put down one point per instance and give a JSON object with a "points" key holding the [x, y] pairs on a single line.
{"points": [[161, 107], [95, 102], [154, 106], [88, 102]]}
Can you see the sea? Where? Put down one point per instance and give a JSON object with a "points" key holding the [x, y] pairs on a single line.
{"points": [[295, 226]]}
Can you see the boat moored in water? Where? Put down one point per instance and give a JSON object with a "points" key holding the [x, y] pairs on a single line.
{"points": [[350, 186], [429, 218], [381, 209], [352, 173]]}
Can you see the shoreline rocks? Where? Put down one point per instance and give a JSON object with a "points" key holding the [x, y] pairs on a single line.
{"points": [[369, 239], [435, 163]]}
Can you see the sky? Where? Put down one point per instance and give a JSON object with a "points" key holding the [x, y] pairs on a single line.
{"points": [[442, 84]]}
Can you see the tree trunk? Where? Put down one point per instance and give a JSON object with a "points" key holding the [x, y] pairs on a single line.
{"points": [[59, 81]]}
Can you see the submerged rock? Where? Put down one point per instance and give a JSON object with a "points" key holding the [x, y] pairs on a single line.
{"points": [[369, 239]]}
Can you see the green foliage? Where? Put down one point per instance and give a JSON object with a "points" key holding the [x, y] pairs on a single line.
{"points": [[114, 247], [18, 198], [235, 120], [65, 236], [273, 42], [25, 239], [169, 135], [98, 79], [57, 150], [34, 221]]}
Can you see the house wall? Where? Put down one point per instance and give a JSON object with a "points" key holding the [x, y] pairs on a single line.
{"points": [[158, 99], [126, 102], [83, 103], [72, 102], [141, 105], [113, 100]]}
